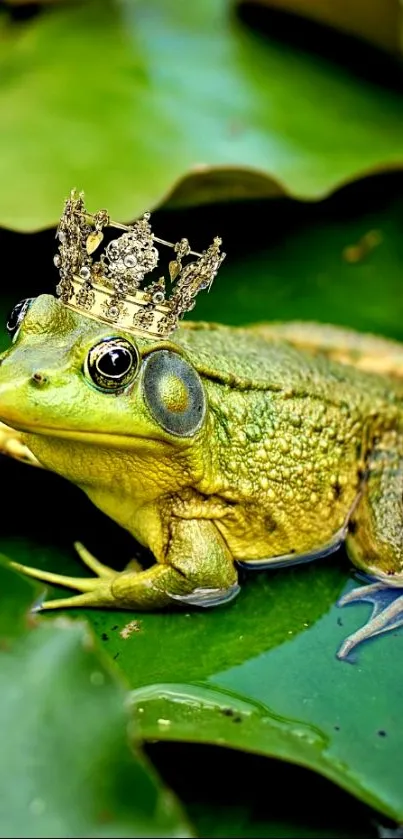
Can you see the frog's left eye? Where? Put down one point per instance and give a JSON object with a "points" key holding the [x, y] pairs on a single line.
{"points": [[17, 316], [112, 364]]}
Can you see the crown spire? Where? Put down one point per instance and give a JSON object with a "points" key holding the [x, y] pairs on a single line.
{"points": [[111, 289]]}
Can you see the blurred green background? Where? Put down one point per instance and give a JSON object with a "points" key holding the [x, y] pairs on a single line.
{"points": [[279, 126]]}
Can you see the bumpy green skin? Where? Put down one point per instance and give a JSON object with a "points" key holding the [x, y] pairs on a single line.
{"points": [[301, 446], [291, 436]]}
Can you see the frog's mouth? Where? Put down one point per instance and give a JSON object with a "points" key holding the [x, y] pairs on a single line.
{"points": [[27, 419], [107, 439], [99, 438]]}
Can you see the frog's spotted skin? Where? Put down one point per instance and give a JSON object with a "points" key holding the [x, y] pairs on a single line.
{"points": [[265, 445]]}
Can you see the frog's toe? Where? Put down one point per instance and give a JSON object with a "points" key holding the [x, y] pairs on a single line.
{"points": [[100, 598], [363, 594], [83, 584], [387, 613], [93, 563]]}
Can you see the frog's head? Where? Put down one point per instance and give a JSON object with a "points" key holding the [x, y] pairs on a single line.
{"points": [[70, 382]]}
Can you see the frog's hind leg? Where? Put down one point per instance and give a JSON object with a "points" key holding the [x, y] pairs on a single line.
{"points": [[375, 543]]}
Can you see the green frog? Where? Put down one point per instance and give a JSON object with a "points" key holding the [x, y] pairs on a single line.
{"points": [[215, 447], [261, 446]]}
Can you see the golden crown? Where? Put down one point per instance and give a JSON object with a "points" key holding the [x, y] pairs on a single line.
{"points": [[109, 289]]}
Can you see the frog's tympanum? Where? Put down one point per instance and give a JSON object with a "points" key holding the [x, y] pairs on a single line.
{"points": [[213, 446]]}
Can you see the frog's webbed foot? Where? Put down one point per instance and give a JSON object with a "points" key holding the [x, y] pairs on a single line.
{"points": [[198, 570], [11, 445], [387, 613], [95, 591]]}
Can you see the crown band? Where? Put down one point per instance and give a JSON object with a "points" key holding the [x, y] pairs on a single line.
{"points": [[103, 309], [109, 289]]}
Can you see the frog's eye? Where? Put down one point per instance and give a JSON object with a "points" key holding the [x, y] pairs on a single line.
{"points": [[173, 393], [17, 316], [112, 364]]}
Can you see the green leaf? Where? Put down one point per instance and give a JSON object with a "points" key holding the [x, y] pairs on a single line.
{"points": [[67, 768], [260, 674], [136, 103]]}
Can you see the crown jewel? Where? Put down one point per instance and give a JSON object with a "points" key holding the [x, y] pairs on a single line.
{"points": [[111, 289]]}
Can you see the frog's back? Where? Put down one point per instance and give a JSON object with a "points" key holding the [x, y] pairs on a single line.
{"points": [[253, 359]]}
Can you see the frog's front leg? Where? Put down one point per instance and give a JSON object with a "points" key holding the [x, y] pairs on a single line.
{"points": [[198, 570], [375, 543], [12, 445]]}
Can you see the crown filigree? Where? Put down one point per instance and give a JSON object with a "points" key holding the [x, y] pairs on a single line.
{"points": [[111, 289]]}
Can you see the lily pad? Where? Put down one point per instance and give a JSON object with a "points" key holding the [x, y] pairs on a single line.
{"points": [[139, 102], [260, 674], [69, 770]]}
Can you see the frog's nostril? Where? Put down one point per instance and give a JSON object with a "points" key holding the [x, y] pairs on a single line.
{"points": [[39, 378]]}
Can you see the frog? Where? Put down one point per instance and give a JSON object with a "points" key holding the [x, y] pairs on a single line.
{"points": [[219, 449]]}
